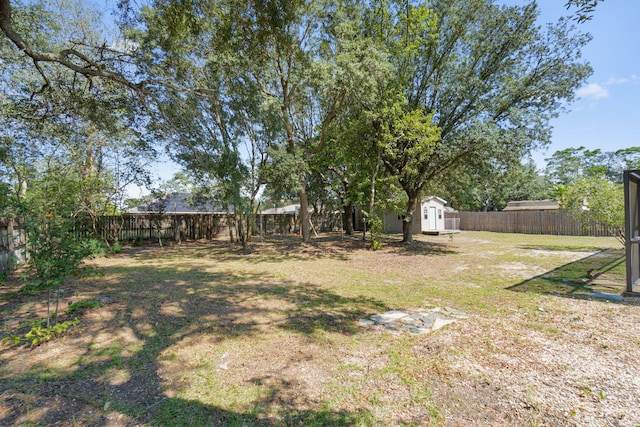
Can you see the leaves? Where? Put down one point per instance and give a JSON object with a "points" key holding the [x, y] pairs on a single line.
{"points": [[40, 334], [595, 198]]}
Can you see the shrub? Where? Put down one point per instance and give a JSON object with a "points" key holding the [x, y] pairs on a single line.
{"points": [[83, 305], [39, 333]]}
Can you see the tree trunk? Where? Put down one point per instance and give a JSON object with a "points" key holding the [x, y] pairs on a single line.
{"points": [[407, 222], [251, 219], [240, 230], [305, 225], [348, 218], [231, 225]]}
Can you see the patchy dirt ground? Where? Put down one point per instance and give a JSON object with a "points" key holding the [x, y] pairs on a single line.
{"points": [[209, 334]]}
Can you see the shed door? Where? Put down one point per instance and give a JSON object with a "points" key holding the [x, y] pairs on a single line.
{"points": [[432, 218]]}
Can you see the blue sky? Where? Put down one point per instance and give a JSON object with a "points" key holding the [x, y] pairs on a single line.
{"points": [[606, 114]]}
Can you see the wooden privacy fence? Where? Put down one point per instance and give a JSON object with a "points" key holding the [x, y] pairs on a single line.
{"points": [[141, 227], [182, 227], [528, 222], [290, 223], [149, 227]]}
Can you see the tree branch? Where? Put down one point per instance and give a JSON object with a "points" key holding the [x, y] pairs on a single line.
{"points": [[87, 67]]}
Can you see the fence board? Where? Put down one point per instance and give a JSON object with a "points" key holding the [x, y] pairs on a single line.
{"points": [[557, 223], [145, 227]]}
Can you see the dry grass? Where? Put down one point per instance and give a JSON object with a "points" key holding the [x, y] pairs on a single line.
{"points": [[206, 334]]}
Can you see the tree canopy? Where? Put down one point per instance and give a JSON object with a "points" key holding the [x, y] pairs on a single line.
{"points": [[324, 100]]}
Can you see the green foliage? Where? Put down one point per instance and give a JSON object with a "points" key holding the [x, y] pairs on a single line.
{"points": [[597, 199], [40, 334], [488, 75], [568, 165], [584, 9], [83, 305], [69, 145], [54, 251], [375, 226], [93, 248], [251, 93], [408, 141], [284, 170], [490, 184]]}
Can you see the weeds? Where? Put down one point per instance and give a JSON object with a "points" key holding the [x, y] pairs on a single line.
{"points": [[40, 333], [82, 306]]}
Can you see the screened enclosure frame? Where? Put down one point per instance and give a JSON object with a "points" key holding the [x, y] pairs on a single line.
{"points": [[632, 230]]}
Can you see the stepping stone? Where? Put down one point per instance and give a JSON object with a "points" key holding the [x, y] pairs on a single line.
{"points": [[441, 323], [389, 316], [457, 313], [416, 323]]}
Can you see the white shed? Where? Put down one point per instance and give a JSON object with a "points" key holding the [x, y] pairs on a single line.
{"points": [[428, 218], [432, 215]]}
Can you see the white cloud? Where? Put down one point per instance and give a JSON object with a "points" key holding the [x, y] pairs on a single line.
{"points": [[593, 91], [616, 81]]}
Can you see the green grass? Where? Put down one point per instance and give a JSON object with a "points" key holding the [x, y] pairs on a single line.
{"points": [[284, 317]]}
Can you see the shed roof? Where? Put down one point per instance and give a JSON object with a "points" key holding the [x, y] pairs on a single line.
{"points": [[439, 199]]}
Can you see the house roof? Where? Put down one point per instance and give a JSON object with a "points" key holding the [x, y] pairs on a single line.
{"points": [[181, 203], [532, 205], [293, 209], [439, 199]]}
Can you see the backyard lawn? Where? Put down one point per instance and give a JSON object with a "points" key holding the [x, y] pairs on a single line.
{"points": [[206, 334]]}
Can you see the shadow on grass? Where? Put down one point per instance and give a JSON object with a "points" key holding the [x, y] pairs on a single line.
{"points": [[561, 248], [267, 250], [603, 272], [282, 248], [161, 309], [418, 247]]}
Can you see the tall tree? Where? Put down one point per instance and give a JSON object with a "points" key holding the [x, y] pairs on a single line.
{"points": [[488, 75], [566, 166], [489, 184], [295, 61], [91, 60], [69, 145]]}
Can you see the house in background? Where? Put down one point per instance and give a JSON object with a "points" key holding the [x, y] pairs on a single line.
{"points": [[428, 218], [279, 219], [181, 203], [532, 205], [292, 209]]}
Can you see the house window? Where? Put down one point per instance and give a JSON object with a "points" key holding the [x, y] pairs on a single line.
{"points": [[426, 212], [439, 213]]}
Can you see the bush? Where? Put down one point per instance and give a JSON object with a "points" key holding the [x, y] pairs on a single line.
{"points": [[95, 248], [40, 333], [54, 251], [83, 305]]}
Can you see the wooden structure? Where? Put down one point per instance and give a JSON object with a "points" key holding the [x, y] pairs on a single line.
{"points": [[531, 205], [428, 218], [145, 227], [558, 223]]}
